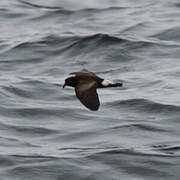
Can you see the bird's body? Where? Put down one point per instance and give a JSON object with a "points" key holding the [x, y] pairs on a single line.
{"points": [[85, 84]]}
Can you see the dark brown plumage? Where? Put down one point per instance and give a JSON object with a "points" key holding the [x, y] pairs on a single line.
{"points": [[85, 84]]}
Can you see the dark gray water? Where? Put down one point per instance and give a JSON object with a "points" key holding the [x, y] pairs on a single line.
{"points": [[46, 133]]}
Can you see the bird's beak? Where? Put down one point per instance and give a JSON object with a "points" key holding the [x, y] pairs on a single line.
{"points": [[64, 85]]}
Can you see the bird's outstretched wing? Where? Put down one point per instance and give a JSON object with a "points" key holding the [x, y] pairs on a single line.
{"points": [[86, 93], [84, 73]]}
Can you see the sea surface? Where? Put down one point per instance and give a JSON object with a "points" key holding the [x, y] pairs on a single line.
{"points": [[46, 133]]}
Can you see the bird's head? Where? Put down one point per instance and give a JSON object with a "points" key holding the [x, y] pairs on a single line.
{"points": [[71, 81]]}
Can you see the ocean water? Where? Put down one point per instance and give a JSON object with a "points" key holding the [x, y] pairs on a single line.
{"points": [[46, 133]]}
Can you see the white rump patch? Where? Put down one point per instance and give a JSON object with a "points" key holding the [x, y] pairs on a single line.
{"points": [[107, 82]]}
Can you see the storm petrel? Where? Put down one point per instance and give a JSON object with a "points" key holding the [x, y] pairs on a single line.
{"points": [[85, 84]]}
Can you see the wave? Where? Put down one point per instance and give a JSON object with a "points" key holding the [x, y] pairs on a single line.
{"points": [[166, 147], [18, 92], [145, 105], [31, 130], [171, 34], [74, 44], [130, 151], [35, 112], [33, 5], [172, 148], [59, 8], [34, 90], [140, 126], [100, 39]]}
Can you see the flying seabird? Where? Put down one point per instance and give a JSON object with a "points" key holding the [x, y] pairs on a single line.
{"points": [[85, 84]]}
